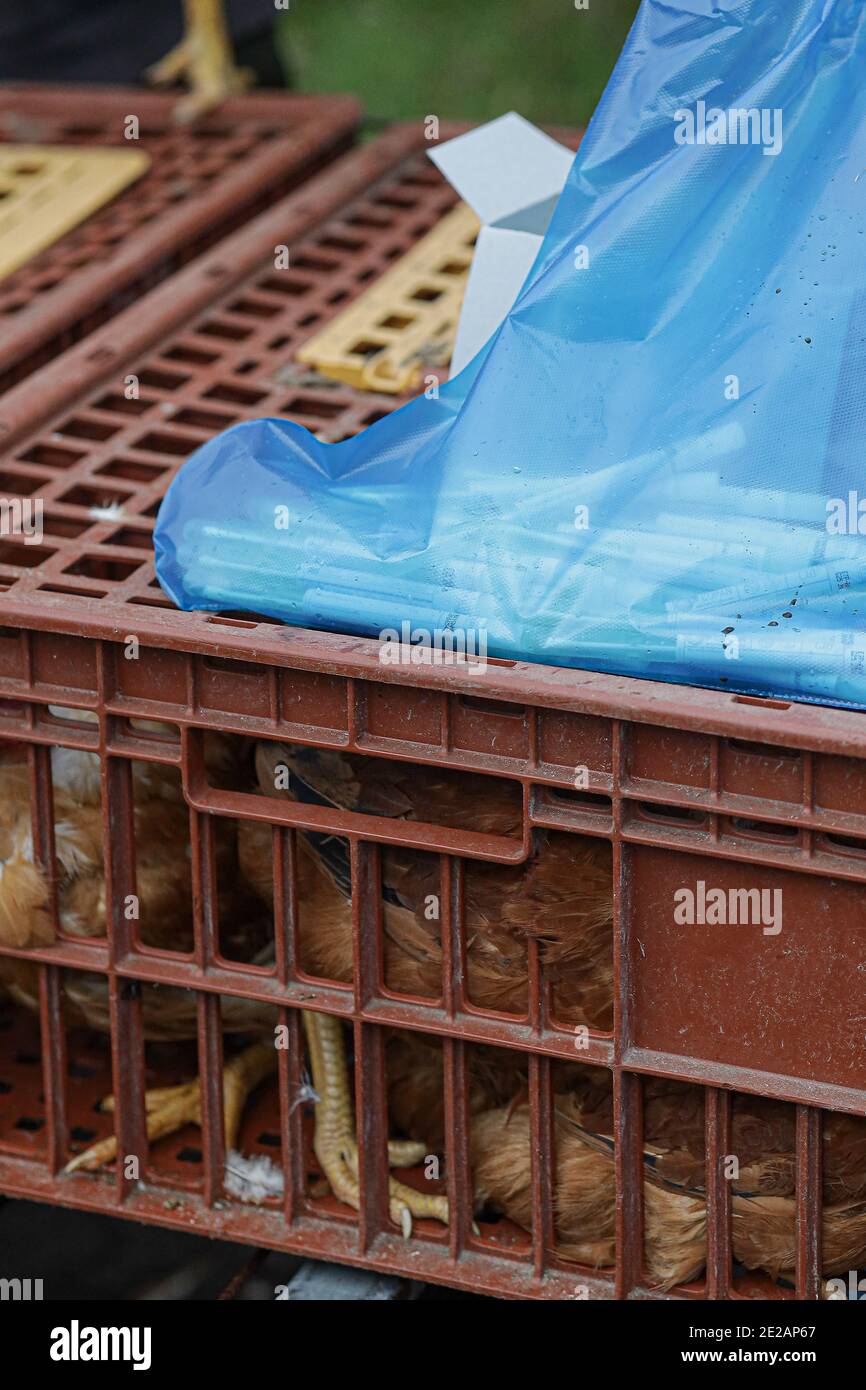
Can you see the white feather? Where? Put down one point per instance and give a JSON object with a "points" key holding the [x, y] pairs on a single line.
{"points": [[252, 1179]]}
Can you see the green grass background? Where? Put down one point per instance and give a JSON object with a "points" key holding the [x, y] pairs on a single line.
{"points": [[459, 59]]}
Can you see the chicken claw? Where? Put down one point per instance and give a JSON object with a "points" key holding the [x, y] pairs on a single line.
{"points": [[204, 56], [169, 1108], [334, 1141]]}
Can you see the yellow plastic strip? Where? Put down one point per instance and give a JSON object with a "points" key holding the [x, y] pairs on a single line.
{"points": [[46, 190], [407, 321]]}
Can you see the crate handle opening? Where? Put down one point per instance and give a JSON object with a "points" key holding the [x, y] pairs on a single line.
{"points": [[228, 622], [760, 829], [764, 750], [584, 800], [759, 700], [505, 711], [650, 810], [327, 819], [848, 844]]}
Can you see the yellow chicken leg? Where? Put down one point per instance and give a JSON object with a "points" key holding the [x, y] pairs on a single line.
{"points": [[334, 1141], [169, 1108], [204, 56]]}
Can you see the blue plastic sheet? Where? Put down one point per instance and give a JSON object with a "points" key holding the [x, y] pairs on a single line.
{"points": [[653, 466]]}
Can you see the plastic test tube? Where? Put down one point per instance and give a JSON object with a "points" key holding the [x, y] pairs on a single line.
{"points": [[818, 581], [799, 508], [205, 569], [826, 653], [686, 455], [743, 531], [212, 553], [590, 587]]}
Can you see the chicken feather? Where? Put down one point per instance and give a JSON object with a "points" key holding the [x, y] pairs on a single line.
{"points": [[163, 887], [562, 897], [763, 1138]]}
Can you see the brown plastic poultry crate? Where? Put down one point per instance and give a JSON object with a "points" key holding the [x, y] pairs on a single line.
{"points": [[203, 181], [685, 784]]}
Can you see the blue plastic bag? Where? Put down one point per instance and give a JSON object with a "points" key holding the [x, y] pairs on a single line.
{"points": [[652, 467]]}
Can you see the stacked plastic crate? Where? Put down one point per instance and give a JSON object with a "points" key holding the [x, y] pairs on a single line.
{"points": [[692, 789]]}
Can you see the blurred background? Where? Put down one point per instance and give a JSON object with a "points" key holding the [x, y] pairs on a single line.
{"points": [[543, 58]]}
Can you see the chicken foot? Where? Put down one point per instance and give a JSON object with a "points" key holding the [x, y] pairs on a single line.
{"points": [[204, 56], [334, 1141], [169, 1108]]}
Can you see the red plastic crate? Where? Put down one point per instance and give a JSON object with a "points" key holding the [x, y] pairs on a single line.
{"points": [[204, 180], [686, 784]]}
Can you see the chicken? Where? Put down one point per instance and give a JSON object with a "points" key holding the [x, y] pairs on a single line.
{"points": [[559, 898], [165, 915], [204, 56], [763, 1138], [562, 897], [163, 883], [763, 1202]]}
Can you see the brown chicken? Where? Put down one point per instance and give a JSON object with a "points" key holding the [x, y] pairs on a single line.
{"points": [[163, 884], [562, 897], [763, 1139], [165, 914]]}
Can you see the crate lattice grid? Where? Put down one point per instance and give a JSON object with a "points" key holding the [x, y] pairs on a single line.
{"points": [[712, 781]]}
